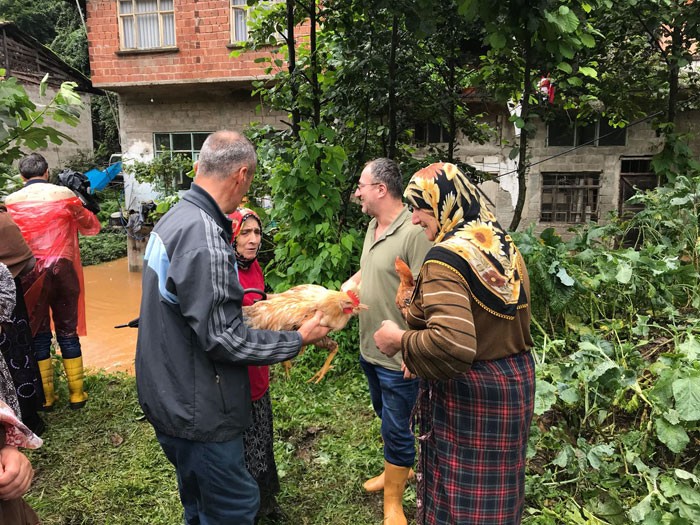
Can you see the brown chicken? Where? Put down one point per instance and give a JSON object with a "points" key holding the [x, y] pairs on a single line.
{"points": [[288, 310], [406, 286]]}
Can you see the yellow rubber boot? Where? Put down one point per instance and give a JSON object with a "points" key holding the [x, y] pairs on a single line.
{"points": [[394, 484], [74, 374], [46, 371], [376, 483]]}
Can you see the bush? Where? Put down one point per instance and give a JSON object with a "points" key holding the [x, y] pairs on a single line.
{"points": [[103, 247]]}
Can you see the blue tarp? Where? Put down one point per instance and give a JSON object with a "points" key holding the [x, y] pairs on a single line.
{"points": [[100, 178]]}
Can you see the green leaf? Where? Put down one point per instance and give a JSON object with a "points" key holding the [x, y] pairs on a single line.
{"points": [[497, 40], [564, 277], [686, 392], [587, 40], [588, 72], [624, 273], [673, 436], [641, 509], [596, 456], [565, 67], [545, 396], [690, 347]]}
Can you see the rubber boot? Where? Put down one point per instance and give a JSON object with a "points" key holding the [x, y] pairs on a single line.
{"points": [[394, 484], [74, 374], [376, 483], [46, 371]]}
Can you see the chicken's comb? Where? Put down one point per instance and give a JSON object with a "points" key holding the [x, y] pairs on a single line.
{"points": [[353, 297]]}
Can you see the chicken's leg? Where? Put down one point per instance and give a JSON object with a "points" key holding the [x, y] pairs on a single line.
{"points": [[331, 345]]}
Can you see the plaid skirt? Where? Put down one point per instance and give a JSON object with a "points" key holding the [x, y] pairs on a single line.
{"points": [[473, 441]]}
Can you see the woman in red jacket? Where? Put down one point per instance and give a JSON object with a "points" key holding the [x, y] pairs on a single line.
{"points": [[259, 452]]}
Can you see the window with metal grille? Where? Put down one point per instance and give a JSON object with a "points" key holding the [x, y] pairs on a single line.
{"points": [[431, 134], [146, 24], [636, 175], [570, 197], [180, 143], [563, 131]]}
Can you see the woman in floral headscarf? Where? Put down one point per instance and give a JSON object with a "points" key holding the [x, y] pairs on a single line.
{"points": [[468, 340], [259, 452]]}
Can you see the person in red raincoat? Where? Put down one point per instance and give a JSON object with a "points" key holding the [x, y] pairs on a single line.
{"points": [[50, 217]]}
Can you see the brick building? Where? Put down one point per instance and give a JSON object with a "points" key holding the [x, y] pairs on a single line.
{"points": [[170, 63]]}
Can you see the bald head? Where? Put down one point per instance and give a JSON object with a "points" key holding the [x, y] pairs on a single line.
{"points": [[225, 152]]}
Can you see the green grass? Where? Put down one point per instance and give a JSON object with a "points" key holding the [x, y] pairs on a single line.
{"points": [[103, 465]]}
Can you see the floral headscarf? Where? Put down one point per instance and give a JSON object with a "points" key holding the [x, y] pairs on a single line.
{"points": [[238, 217], [469, 230]]}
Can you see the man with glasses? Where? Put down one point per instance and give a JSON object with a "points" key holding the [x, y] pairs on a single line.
{"points": [[389, 234]]}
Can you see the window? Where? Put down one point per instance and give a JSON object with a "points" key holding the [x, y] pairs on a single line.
{"points": [[181, 143], [431, 134], [244, 17], [636, 175], [146, 24], [239, 28], [569, 197], [564, 132]]}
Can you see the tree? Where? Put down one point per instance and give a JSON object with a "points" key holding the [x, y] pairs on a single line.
{"points": [[529, 40], [59, 25], [353, 91], [24, 126]]}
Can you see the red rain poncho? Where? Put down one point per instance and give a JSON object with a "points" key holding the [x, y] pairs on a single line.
{"points": [[51, 228]]}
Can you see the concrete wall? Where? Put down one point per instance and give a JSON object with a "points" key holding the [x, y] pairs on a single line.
{"points": [[206, 110], [56, 155]]}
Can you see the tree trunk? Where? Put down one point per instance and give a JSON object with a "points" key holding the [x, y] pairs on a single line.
{"points": [[296, 118], [314, 64], [675, 55], [393, 126], [522, 156]]}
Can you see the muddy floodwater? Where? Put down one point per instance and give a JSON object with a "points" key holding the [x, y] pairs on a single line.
{"points": [[112, 296]]}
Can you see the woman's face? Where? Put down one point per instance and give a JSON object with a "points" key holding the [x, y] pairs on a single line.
{"points": [[426, 220], [249, 238]]}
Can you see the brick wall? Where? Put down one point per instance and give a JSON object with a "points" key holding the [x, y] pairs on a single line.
{"points": [[202, 33]]}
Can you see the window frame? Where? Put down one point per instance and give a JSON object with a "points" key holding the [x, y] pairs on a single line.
{"points": [[427, 129], [233, 8], [588, 194], [578, 132], [245, 9], [135, 15], [183, 182]]}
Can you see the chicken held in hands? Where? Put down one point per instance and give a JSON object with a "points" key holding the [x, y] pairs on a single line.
{"points": [[407, 283], [288, 310]]}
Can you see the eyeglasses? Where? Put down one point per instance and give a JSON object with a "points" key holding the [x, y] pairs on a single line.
{"points": [[361, 185]]}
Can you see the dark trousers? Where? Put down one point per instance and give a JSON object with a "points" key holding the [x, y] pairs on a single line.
{"points": [[215, 487]]}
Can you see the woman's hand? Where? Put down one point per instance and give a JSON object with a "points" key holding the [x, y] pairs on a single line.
{"points": [[388, 338], [407, 374], [16, 473]]}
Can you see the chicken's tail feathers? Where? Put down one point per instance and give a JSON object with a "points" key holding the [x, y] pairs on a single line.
{"points": [[404, 272]]}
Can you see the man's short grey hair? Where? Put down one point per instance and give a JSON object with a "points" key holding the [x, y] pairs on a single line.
{"points": [[33, 165], [225, 152], [388, 173]]}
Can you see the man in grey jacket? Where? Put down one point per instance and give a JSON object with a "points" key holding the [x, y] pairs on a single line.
{"points": [[193, 346]]}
